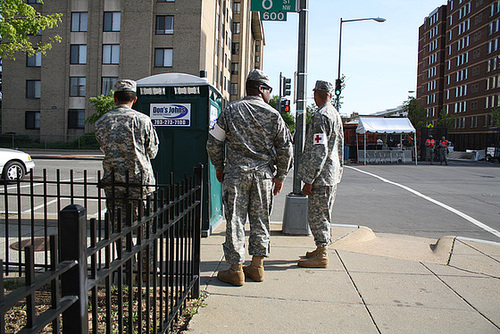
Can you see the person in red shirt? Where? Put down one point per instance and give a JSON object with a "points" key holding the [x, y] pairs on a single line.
{"points": [[443, 150]]}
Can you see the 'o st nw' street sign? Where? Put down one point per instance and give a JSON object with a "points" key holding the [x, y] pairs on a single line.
{"points": [[273, 6]]}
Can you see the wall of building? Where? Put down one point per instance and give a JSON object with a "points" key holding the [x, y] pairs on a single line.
{"points": [[458, 72], [201, 39]]}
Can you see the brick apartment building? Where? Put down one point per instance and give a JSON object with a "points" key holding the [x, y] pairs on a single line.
{"points": [[459, 69], [47, 97]]}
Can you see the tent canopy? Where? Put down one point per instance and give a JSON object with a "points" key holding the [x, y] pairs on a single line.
{"points": [[384, 125]]}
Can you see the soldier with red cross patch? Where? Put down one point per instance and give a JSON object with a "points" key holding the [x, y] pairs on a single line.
{"points": [[321, 170]]}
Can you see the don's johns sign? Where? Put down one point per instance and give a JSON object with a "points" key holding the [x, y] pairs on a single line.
{"points": [[170, 114]]}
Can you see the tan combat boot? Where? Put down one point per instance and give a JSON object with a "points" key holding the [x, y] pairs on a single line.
{"points": [[319, 260], [312, 253], [256, 269], [233, 275]]}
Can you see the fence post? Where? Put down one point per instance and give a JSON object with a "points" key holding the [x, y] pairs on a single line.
{"points": [[73, 241], [198, 182]]}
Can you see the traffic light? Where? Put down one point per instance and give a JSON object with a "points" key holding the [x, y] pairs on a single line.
{"points": [[285, 105], [338, 86], [287, 86]]}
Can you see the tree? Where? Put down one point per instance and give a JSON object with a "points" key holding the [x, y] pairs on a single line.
{"points": [[415, 111], [445, 120], [495, 114], [19, 22], [103, 104]]}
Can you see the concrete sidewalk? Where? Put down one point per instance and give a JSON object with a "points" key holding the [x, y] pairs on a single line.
{"points": [[374, 284]]}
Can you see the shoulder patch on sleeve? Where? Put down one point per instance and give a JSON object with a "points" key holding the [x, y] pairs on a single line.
{"points": [[319, 139]]}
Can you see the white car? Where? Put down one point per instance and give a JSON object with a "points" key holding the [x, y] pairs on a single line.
{"points": [[15, 164]]}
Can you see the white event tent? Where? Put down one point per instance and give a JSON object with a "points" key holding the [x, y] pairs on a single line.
{"points": [[387, 126]]}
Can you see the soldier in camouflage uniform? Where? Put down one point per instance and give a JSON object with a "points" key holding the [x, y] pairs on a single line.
{"points": [[128, 141], [251, 150], [321, 170]]}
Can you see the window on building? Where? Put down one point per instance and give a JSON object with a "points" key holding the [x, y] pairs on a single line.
{"points": [[108, 84], [76, 119], [33, 1], [33, 89], [236, 8], [35, 60], [165, 0], [111, 54], [163, 57], [164, 24], [234, 89], [79, 21], [236, 27], [77, 86], [112, 21], [235, 50], [235, 68], [32, 120], [78, 54]]}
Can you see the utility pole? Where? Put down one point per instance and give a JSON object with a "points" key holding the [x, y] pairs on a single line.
{"points": [[295, 215]]}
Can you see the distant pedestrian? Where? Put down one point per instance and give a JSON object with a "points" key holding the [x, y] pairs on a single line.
{"points": [[321, 169], [380, 144], [443, 150], [430, 145], [251, 150]]}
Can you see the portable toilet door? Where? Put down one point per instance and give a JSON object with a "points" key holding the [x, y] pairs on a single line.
{"points": [[182, 108]]}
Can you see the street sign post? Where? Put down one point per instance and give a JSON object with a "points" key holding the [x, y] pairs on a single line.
{"points": [[273, 6]]}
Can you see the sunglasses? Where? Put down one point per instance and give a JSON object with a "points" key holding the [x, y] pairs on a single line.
{"points": [[267, 87]]}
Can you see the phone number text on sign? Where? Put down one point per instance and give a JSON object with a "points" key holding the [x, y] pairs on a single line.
{"points": [[170, 114]]}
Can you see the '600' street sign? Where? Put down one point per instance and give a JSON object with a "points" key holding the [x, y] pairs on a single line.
{"points": [[273, 6]]}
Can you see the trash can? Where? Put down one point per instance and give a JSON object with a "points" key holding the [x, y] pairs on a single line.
{"points": [[182, 107]]}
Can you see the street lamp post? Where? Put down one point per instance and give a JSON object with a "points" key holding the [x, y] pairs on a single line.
{"points": [[376, 19]]}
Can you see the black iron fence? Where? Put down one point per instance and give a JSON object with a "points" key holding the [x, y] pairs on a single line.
{"points": [[96, 275]]}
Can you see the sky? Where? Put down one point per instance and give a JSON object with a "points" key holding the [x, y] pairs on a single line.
{"points": [[379, 60]]}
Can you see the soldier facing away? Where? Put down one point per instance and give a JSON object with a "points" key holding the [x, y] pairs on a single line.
{"points": [[251, 150], [321, 170]]}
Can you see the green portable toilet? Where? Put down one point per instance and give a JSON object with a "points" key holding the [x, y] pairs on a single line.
{"points": [[182, 107]]}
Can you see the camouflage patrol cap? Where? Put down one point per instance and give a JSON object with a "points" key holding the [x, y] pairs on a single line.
{"points": [[125, 86], [258, 76], [323, 85]]}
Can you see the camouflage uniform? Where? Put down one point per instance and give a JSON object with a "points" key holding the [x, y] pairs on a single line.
{"points": [[322, 165], [250, 143], [128, 141]]}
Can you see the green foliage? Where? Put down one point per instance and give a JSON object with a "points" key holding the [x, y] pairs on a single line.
{"points": [[445, 120], [416, 112], [19, 22], [274, 101], [495, 114], [103, 104], [310, 110]]}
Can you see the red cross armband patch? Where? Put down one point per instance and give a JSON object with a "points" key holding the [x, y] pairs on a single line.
{"points": [[319, 139]]}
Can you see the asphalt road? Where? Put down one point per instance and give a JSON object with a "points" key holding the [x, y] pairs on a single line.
{"points": [[462, 199], [426, 200]]}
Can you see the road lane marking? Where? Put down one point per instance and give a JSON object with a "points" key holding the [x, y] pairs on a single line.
{"points": [[432, 200]]}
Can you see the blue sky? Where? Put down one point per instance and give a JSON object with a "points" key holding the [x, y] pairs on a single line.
{"points": [[379, 60]]}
